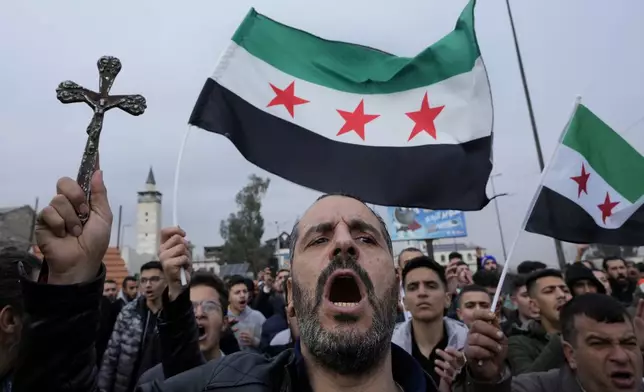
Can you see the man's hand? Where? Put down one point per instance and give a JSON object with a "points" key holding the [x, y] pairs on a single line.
{"points": [[452, 277], [486, 348], [74, 252], [174, 255], [449, 367]]}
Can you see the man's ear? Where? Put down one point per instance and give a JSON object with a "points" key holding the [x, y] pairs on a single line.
{"points": [[534, 307], [289, 299], [569, 353], [10, 322], [448, 300]]}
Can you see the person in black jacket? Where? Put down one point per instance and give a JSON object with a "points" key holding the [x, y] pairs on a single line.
{"points": [[343, 289], [208, 297]]}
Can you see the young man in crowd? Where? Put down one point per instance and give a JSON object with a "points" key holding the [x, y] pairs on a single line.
{"points": [[11, 310], [428, 334], [109, 290], [403, 258], [208, 298], [134, 346], [470, 299], [622, 287], [129, 290], [581, 280], [537, 346], [600, 345], [271, 295], [521, 300], [244, 321]]}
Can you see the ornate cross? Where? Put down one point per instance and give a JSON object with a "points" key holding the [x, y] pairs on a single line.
{"points": [[100, 102]]}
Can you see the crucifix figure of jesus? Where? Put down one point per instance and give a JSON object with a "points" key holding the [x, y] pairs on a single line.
{"points": [[100, 102]]}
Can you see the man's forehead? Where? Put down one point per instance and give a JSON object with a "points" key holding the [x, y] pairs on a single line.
{"points": [[335, 209], [422, 274], [475, 296], [587, 326]]}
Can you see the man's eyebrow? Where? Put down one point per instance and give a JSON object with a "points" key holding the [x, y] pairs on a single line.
{"points": [[354, 225], [319, 228], [360, 225]]}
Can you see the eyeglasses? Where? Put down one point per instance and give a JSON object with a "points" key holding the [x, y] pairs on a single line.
{"points": [[151, 279], [207, 306]]}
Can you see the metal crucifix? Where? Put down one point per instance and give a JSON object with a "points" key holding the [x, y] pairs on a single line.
{"points": [[100, 102]]}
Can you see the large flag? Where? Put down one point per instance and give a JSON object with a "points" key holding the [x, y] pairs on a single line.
{"points": [[340, 117], [593, 189]]}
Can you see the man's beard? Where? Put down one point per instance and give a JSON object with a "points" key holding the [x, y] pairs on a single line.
{"points": [[342, 352]]}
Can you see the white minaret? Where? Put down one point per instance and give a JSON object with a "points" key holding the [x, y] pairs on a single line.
{"points": [[148, 218]]}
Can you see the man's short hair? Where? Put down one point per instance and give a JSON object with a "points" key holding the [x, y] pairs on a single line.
{"points": [[10, 288], [599, 307], [235, 280], [613, 258], [518, 281], [486, 278], [473, 288], [408, 249], [150, 265], [128, 279], [455, 255], [424, 262], [208, 279], [533, 278], [640, 267], [295, 233], [282, 270], [529, 266], [110, 281]]}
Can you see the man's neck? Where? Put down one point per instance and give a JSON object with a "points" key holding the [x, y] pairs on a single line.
{"points": [[236, 311], [550, 326], [427, 334], [214, 353], [522, 318], [381, 379], [154, 306]]}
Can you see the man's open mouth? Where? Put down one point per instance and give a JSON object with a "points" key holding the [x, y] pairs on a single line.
{"points": [[623, 378], [202, 332], [344, 289]]}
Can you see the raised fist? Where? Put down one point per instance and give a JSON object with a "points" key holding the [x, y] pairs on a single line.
{"points": [[74, 252]]}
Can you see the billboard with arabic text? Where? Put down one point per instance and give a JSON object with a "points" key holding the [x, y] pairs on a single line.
{"points": [[406, 224]]}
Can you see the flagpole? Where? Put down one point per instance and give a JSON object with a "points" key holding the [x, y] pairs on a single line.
{"points": [[544, 172], [535, 134]]}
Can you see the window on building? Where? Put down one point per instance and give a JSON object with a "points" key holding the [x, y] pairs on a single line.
{"points": [[443, 258], [469, 257], [146, 214], [146, 234], [146, 219]]}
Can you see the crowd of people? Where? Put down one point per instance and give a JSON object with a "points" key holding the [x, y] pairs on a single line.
{"points": [[349, 315]]}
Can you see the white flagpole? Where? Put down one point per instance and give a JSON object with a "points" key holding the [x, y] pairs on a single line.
{"points": [[175, 194], [506, 266]]}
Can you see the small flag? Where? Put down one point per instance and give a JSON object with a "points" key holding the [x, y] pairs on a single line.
{"points": [[593, 190], [340, 117]]}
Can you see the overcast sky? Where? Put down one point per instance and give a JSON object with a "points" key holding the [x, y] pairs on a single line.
{"points": [[168, 48]]}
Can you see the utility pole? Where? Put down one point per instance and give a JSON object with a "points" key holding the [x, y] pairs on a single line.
{"points": [[535, 134]]}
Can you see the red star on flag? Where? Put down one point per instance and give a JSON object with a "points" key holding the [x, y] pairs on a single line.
{"points": [[582, 181], [607, 207], [287, 98], [424, 119], [356, 120]]}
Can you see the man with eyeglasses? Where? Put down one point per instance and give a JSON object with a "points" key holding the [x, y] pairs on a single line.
{"points": [[208, 298], [134, 345]]}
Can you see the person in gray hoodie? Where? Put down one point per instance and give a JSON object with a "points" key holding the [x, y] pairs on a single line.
{"points": [[428, 336]]}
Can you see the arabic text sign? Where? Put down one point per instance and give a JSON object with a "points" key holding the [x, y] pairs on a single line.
{"points": [[418, 224]]}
